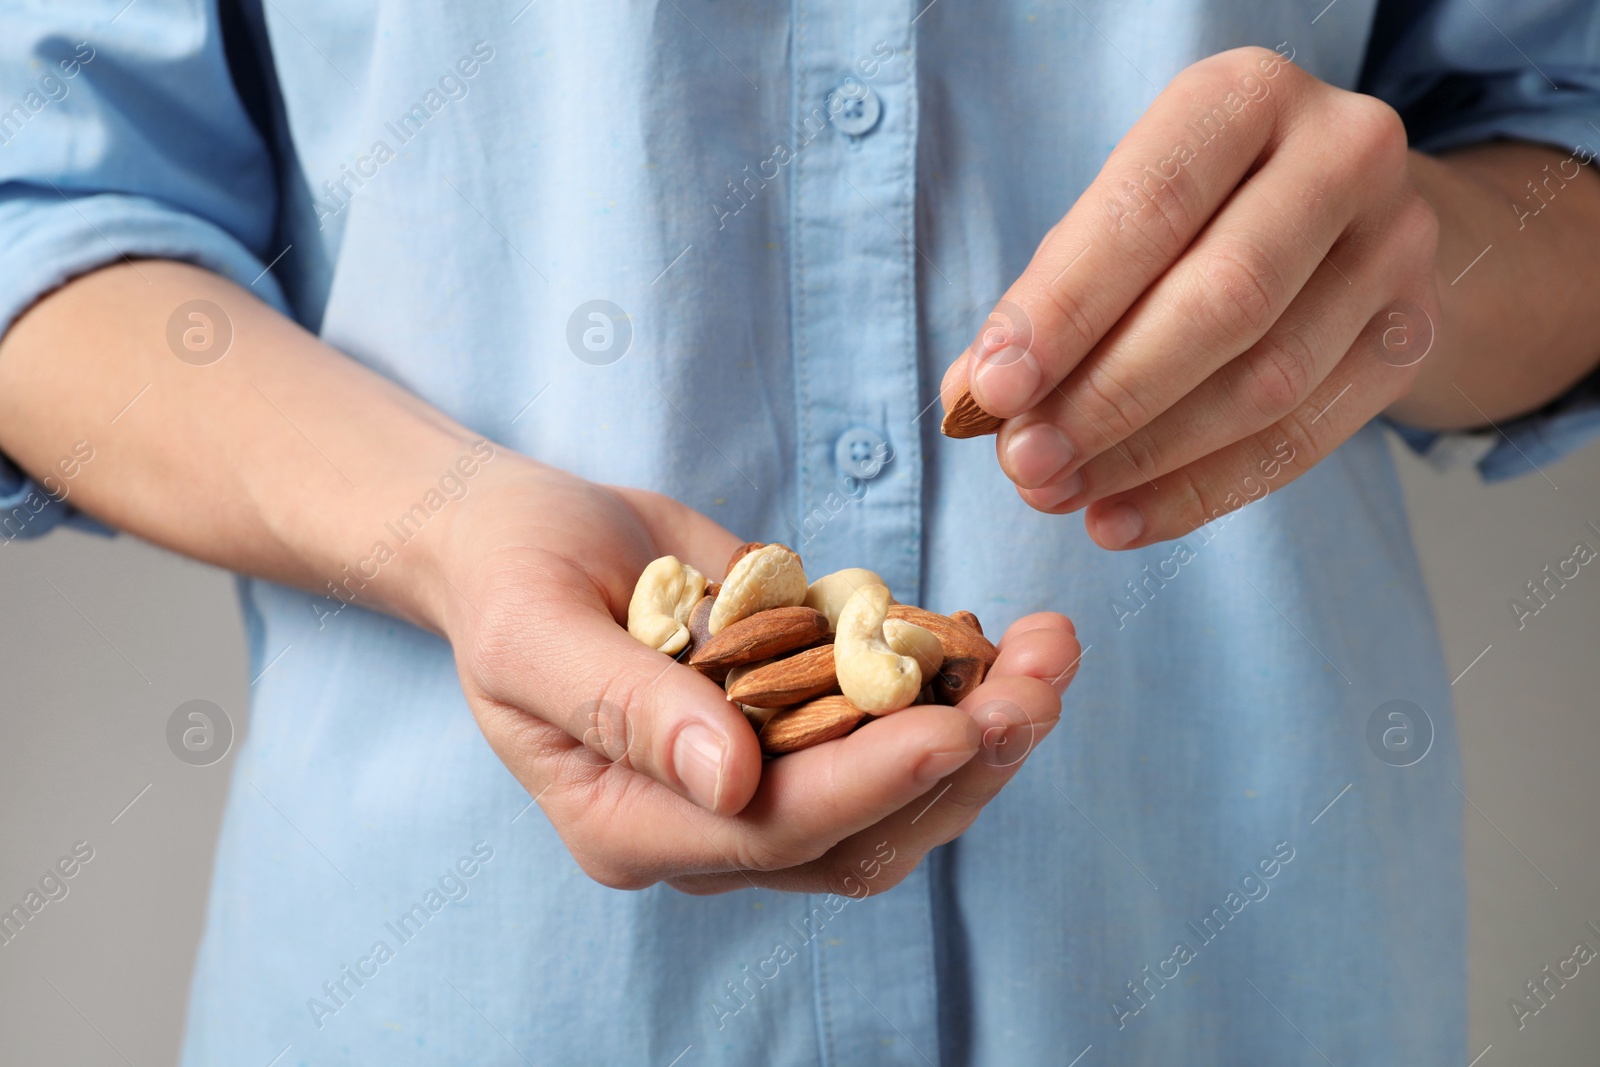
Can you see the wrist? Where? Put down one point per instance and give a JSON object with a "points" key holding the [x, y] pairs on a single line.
{"points": [[484, 485], [395, 545]]}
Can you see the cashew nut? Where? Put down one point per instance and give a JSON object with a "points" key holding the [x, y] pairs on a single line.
{"points": [[666, 592], [769, 577], [872, 675], [829, 593], [909, 639]]}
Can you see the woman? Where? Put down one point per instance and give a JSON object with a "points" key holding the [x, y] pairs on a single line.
{"points": [[383, 307]]}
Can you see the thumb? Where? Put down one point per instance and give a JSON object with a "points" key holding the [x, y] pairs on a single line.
{"points": [[634, 706]]}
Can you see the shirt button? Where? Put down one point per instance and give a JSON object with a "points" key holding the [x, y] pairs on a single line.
{"points": [[854, 108], [861, 453]]}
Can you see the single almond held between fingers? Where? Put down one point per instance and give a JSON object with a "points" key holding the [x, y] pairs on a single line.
{"points": [[960, 616], [791, 680], [809, 724], [760, 636], [965, 418], [968, 654]]}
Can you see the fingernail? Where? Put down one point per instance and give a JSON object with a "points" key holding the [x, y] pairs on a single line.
{"points": [[1119, 525], [1004, 382], [697, 758], [936, 765], [1037, 453], [1055, 495]]}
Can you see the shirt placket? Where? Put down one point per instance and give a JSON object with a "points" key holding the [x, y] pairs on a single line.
{"points": [[858, 401]]}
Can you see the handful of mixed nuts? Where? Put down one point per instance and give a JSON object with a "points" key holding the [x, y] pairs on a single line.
{"points": [[806, 662]]}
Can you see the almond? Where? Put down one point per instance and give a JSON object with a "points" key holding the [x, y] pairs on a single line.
{"points": [[787, 681], [699, 626], [960, 616], [758, 716], [968, 655], [760, 636], [965, 418], [809, 724]]}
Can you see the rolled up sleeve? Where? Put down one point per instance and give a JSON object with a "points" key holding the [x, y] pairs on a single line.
{"points": [[122, 137], [1464, 72]]}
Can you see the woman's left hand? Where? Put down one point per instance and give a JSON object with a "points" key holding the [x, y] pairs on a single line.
{"points": [[1249, 280]]}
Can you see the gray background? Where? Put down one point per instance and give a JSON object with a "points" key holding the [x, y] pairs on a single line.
{"points": [[102, 640]]}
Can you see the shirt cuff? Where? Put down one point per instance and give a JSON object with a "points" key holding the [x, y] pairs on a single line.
{"points": [[51, 240], [1521, 446]]}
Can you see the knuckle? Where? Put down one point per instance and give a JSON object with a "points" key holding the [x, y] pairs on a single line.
{"points": [[839, 878], [1072, 319], [1416, 229], [1115, 408], [1379, 132], [1303, 437], [605, 724], [842, 879], [1164, 218], [1143, 451], [1246, 275], [618, 877], [770, 854], [1186, 500], [967, 804], [614, 874], [1065, 321], [1278, 374], [704, 886], [1213, 76]]}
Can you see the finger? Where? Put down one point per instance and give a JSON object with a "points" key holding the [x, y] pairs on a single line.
{"points": [[625, 702], [1226, 480], [808, 800], [1048, 653], [1274, 376], [624, 830], [1213, 124], [1222, 296], [1014, 708], [1016, 713], [1040, 620], [633, 832]]}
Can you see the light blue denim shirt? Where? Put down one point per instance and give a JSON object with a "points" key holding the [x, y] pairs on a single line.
{"points": [[1208, 862]]}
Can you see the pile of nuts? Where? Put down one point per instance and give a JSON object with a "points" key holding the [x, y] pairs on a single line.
{"points": [[806, 662]]}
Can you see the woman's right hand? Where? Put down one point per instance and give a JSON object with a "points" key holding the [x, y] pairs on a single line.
{"points": [[642, 765]]}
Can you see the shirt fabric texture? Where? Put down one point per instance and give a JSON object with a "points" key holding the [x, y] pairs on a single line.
{"points": [[791, 281]]}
